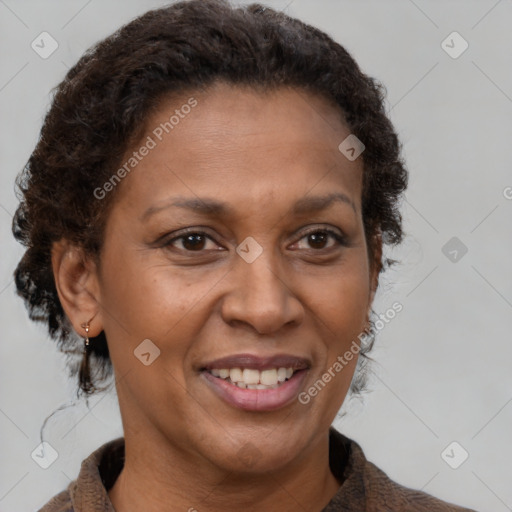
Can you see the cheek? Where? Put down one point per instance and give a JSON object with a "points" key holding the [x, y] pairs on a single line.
{"points": [[150, 297], [342, 299], [155, 302], [342, 307]]}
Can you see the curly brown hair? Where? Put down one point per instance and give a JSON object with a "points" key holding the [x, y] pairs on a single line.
{"points": [[101, 106]]}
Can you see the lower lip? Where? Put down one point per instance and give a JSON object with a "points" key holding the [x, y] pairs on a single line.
{"points": [[257, 399]]}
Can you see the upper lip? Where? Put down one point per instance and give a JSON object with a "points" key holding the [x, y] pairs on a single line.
{"points": [[258, 362]]}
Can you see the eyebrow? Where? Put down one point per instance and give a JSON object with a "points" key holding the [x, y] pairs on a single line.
{"points": [[213, 207]]}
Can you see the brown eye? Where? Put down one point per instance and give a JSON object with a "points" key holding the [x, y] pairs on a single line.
{"points": [[193, 241], [319, 239]]}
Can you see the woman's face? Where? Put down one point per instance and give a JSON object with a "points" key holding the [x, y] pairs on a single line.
{"points": [[238, 235]]}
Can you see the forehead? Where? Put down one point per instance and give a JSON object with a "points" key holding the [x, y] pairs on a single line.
{"points": [[242, 146]]}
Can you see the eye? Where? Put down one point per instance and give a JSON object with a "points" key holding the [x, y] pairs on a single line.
{"points": [[198, 241], [192, 241], [318, 239]]}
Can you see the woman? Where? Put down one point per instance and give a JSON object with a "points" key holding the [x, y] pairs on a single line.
{"points": [[207, 207]]}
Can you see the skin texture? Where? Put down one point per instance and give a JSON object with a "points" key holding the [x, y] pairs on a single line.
{"points": [[200, 301]]}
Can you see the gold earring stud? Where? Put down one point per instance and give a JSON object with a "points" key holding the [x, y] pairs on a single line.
{"points": [[85, 326]]}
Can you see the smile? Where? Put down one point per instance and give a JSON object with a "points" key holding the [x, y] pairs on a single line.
{"points": [[249, 378], [255, 382]]}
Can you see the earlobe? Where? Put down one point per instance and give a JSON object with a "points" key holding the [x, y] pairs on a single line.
{"points": [[77, 285]]}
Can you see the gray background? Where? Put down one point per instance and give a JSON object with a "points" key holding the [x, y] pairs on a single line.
{"points": [[443, 371]]}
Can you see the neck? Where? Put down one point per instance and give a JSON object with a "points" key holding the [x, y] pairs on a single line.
{"points": [[161, 477]]}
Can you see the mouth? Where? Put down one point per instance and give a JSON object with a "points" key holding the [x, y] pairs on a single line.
{"points": [[253, 383], [249, 378]]}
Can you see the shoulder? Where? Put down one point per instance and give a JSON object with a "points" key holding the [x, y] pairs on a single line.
{"points": [[59, 503], [97, 474], [366, 487], [385, 494]]}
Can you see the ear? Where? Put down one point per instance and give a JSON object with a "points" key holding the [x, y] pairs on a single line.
{"points": [[375, 264], [77, 283]]}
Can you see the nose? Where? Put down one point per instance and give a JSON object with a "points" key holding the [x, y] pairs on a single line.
{"points": [[261, 298]]}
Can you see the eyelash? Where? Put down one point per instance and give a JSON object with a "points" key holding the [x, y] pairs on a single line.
{"points": [[340, 239]]}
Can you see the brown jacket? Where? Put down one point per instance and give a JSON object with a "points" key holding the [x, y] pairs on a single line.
{"points": [[365, 487]]}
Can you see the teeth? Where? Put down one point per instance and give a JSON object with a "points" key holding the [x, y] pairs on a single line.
{"points": [[249, 378], [269, 377], [235, 374], [281, 374], [224, 374], [259, 386]]}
